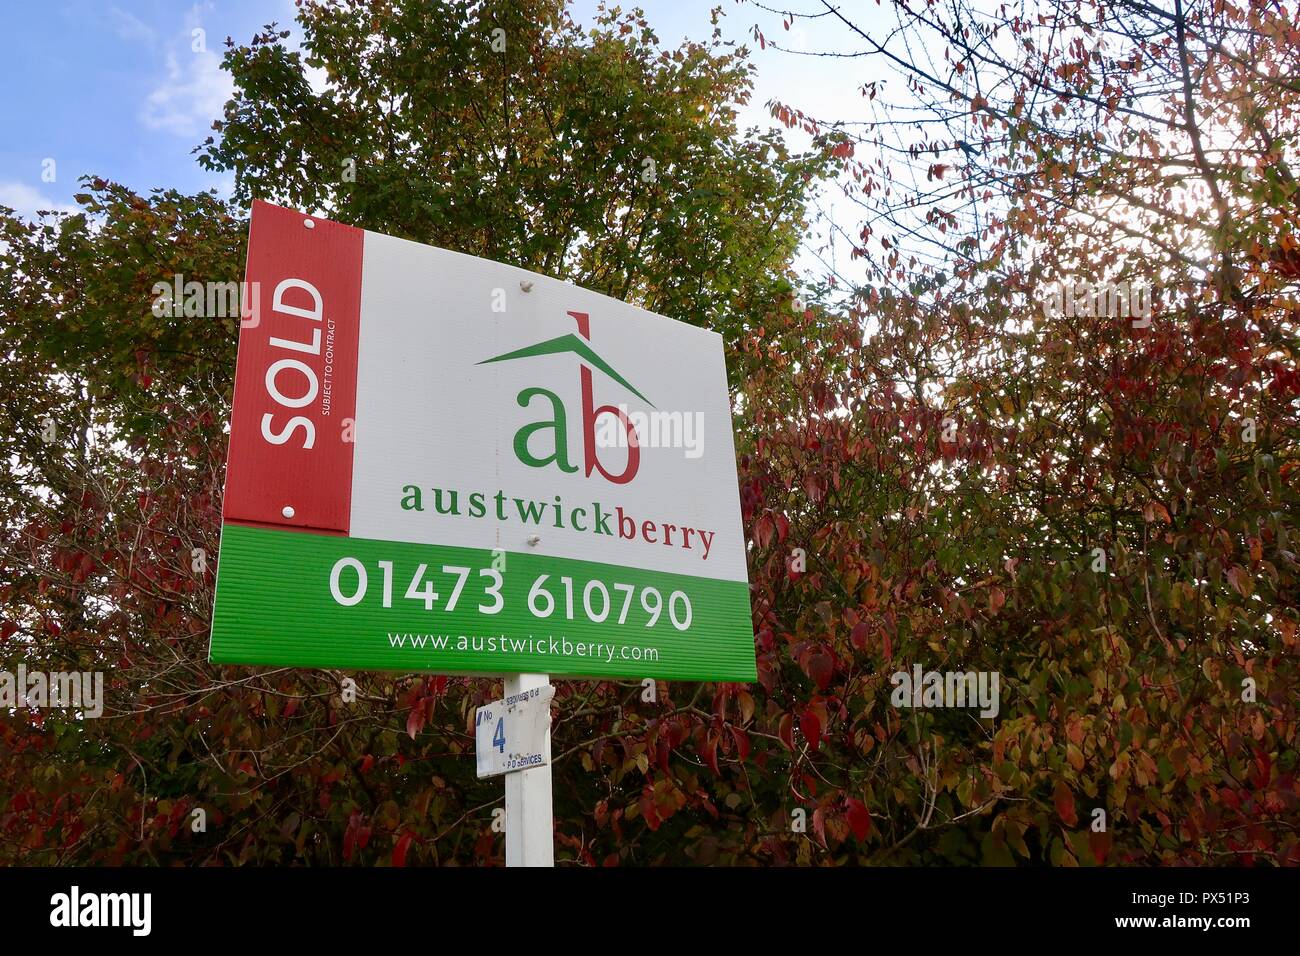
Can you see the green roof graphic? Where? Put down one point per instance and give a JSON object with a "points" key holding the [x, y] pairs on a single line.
{"points": [[570, 343]]}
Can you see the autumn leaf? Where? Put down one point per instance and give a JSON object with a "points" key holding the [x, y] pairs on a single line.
{"points": [[811, 727], [415, 720], [859, 818], [1099, 843], [1064, 801], [1240, 580], [401, 847]]}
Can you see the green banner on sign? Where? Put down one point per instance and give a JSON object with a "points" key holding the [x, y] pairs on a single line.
{"points": [[303, 599]]}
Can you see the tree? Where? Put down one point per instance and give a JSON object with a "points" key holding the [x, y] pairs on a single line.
{"points": [[1097, 503], [499, 130]]}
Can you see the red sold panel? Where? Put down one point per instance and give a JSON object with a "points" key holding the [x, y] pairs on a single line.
{"points": [[296, 380]]}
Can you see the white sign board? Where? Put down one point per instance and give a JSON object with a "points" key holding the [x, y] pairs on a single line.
{"points": [[444, 464]]}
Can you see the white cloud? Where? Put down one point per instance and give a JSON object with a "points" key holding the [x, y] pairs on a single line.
{"points": [[27, 200], [130, 27], [193, 95], [225, 187], [317, 78]]}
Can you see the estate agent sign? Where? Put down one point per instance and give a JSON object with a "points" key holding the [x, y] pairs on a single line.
{"points": [[441, 463]]}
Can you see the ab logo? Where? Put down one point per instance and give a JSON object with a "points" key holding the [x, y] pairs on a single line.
{"points": [[558, 423]]}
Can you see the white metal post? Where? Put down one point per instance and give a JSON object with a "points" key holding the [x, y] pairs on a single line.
{"points": [[530, 829]]}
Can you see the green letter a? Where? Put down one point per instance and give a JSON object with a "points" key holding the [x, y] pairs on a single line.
{"points": [[558, 425]]}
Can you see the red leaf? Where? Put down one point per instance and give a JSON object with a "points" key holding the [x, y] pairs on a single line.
{"points": [[711, 755], [1065, 804], [812, 729], [859, 818], [415, 721], [1240, 581], [1263, 768], [1074, 730], [742, 742], [1100, 844], [399, 851], [821, 668], [786, 731], [649, 811]]}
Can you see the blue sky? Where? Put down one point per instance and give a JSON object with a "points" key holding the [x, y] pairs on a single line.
{"points": [[112, 89], [117, 88]]}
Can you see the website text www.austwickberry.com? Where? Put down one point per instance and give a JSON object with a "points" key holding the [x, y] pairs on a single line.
{"points": [[562, 647]]}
